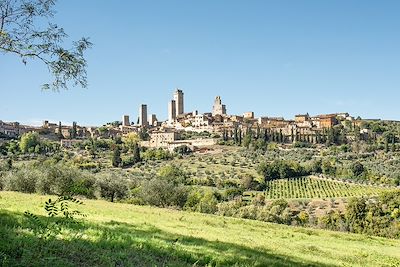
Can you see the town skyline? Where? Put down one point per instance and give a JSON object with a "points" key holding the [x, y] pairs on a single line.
{"points": [[134, 115], [144, 116]]}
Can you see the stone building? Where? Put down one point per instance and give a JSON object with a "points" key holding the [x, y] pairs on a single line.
{"points": [[248, 115], [169, 139], [11, 129], [218, 108], [47, 125], [268, 122], [201, 121], [162, 138], [128, 129], [324, 121], [301, 118]]}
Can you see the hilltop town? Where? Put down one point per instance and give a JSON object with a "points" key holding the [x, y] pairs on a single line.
{"points": [[219, 125]]}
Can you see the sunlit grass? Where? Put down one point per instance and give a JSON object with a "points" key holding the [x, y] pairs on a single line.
{"points": [[128, 235]]}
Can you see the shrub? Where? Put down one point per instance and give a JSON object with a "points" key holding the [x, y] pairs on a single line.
{"points": [[156, 154], [230, 208], [183, 150], [173, 174], [232, 193], [162, 193], [280, 169], [203, 201], [357, 168], [21, 180]]}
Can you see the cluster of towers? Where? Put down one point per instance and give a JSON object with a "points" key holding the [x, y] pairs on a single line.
{"points": [[175, 109], [143, 118], [176, 106]]}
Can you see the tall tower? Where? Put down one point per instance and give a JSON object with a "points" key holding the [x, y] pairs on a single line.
{"points": [[125, 120], [143, 115], [172, 111], [178, 97], [218, 108]]}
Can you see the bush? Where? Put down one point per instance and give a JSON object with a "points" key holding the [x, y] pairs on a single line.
{"points": [[156, 154], [183, 150], [232, 193], [21, 180], [230, 208], [162, 193], [173, 174], [248, 182], [48, 178], [280, 169], [357, 168], [203, 201]]}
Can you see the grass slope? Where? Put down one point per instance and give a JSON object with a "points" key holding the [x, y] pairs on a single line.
{"points": [[128, 235]]}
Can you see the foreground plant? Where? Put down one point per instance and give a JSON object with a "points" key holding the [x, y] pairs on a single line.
{"points": [[58, 214]]}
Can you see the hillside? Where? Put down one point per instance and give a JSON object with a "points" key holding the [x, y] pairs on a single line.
{"points": [[128, 235]]}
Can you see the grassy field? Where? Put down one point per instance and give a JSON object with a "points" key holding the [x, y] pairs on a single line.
{"points": [[128, 235]]}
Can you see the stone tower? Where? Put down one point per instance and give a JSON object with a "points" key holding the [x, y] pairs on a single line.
{"points": [[178, 97], [125, 120], [153, 120], [218, 108], [172, 111], [143, 115]]}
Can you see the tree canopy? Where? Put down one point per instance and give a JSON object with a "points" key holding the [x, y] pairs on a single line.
{"points": [[26, 30]]}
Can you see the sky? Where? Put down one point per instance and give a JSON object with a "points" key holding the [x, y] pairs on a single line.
{"points": [[276, 58]]}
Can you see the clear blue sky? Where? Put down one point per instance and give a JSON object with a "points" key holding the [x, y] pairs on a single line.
{"points": [[276, 58]]}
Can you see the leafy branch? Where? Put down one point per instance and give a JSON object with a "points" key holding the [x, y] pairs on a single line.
{"points": [[20, 35], [58, 214]]}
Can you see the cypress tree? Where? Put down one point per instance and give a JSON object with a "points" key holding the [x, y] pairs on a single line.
{"points": [[136, 154], [116, 159], [386, 145], [265, 135], [236, 135], [292, 135], [60, 135], [73, 131], [393, 144]]}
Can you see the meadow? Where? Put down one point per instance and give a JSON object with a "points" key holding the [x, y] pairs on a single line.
{"points": [[115, 234]]}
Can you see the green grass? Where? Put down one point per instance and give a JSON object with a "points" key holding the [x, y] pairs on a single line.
{"points": [[312, 187], [128, 235]]}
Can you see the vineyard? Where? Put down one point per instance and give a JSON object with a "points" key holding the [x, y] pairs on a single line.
{"points": [[309, 187]]}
